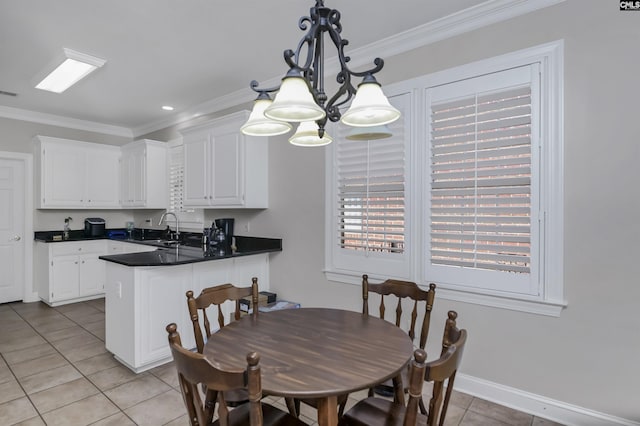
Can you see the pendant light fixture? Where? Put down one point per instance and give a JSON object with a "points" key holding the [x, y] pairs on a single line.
{"points": [[301, 96]]}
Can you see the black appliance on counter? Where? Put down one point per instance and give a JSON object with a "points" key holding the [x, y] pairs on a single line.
{"points": [[94, 227], [223, 242]]}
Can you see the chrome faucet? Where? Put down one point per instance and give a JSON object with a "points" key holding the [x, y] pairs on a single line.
{"points": [[177, 222]]}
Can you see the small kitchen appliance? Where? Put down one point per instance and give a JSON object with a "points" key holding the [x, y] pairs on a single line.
{"points": [[94, 227], [225, 227]]}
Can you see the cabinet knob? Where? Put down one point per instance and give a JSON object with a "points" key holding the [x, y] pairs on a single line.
{"points": [[83, 261], [76, 262]]}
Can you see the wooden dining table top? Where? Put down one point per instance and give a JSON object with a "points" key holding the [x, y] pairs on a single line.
{"points": [[313, 352]]}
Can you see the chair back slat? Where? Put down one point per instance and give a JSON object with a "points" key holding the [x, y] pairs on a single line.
{"points": [[399, 312]]}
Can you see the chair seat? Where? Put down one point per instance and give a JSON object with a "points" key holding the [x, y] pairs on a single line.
{"points": [[271, 416], [386, 388], [236, 397], [377, 412]]}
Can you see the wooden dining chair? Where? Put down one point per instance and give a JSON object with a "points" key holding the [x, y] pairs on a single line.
{"points": [[374, 411], [215, 297], [422, 305], [195, 370], [444, 370]]}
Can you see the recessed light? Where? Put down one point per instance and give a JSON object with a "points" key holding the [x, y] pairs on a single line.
{"points": [[75, 67], [167, 107]]}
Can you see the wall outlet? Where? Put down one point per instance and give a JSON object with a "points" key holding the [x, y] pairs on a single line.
{"points": [[246, 227]]}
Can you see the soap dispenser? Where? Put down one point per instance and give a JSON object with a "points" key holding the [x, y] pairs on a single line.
{"points": [[65, 232]]}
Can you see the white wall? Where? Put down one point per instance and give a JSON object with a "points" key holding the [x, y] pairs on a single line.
{"points": [[589, 356]]}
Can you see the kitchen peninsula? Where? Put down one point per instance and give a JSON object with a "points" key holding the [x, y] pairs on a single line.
{"points": [[146, 291]]}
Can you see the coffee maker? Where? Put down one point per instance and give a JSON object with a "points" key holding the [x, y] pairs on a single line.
{"points": [[222, 242]]}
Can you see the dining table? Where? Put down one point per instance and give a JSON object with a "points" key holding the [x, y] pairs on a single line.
{"points": [[314, 353]]}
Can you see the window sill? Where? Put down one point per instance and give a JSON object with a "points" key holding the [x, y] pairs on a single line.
{"points": [[546, 308]]}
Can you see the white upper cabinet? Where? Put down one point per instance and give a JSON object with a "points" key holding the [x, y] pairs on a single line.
{"points": [[143, 174], [74, 174], [224, 168], [83, 175]]}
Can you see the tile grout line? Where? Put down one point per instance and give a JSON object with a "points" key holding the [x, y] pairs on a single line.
{"points": [[41, 415]]}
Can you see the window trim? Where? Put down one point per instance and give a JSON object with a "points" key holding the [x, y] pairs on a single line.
{"points": [[550, 56]]}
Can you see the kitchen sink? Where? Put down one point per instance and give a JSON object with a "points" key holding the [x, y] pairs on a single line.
{"points": [[160, 243]]}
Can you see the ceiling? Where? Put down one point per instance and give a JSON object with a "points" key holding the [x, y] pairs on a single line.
{"points": [[182, 53]]}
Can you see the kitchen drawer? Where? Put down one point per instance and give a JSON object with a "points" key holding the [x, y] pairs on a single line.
{"points": [[79, 247]]}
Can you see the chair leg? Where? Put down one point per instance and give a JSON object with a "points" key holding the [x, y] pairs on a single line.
{"points": [[423, 409], [293, 405], [342, 405]]}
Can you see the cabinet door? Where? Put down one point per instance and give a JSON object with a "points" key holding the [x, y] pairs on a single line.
{"points": [[92, 274], [247, 267], [227, 171], [196, 165], [64, 278], [133, 175], [103, 179], [63, 177], [161, 301]]}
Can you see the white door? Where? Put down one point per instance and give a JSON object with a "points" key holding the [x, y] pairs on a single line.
{"points": [[12, 190]]}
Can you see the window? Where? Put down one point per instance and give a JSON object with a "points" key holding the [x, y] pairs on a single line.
{"points": [[481, 194], [468, 192], [368, 205], [192, 219]]}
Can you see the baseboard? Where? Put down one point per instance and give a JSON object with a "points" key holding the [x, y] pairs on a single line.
{"points": [[537, 405], [31, 297]]}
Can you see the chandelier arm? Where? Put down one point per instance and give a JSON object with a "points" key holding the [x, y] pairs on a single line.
{"points": [[254, 86]]}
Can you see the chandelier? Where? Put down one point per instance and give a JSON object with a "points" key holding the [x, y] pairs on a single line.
{"points": [[301, 97]]}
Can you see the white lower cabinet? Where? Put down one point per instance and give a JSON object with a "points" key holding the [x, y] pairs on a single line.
{"points": [[70, 271], [142, 301]]}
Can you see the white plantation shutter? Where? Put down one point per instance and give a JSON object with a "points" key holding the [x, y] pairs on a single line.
{"points": [[369, 208], [176, 179], [371, 180], [481, 205]]}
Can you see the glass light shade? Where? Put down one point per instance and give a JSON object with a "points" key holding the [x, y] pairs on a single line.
{"points": [[370, 107], [369, 133], [294, 102], [307, 135], [259, 125]]}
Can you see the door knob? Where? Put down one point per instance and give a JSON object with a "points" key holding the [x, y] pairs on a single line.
{"points": [[15, 238]]}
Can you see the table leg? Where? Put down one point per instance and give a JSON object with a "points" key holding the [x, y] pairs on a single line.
{"points": [[328, 411]]}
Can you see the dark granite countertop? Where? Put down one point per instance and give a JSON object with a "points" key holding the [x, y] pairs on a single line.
{"points": [[178, 255], [189, 250]]}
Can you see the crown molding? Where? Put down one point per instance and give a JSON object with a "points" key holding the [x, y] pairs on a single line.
{"points": [[473, 18], [60, 121]]}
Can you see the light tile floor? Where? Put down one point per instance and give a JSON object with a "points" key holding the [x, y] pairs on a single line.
{"points": [[55, 370]]}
